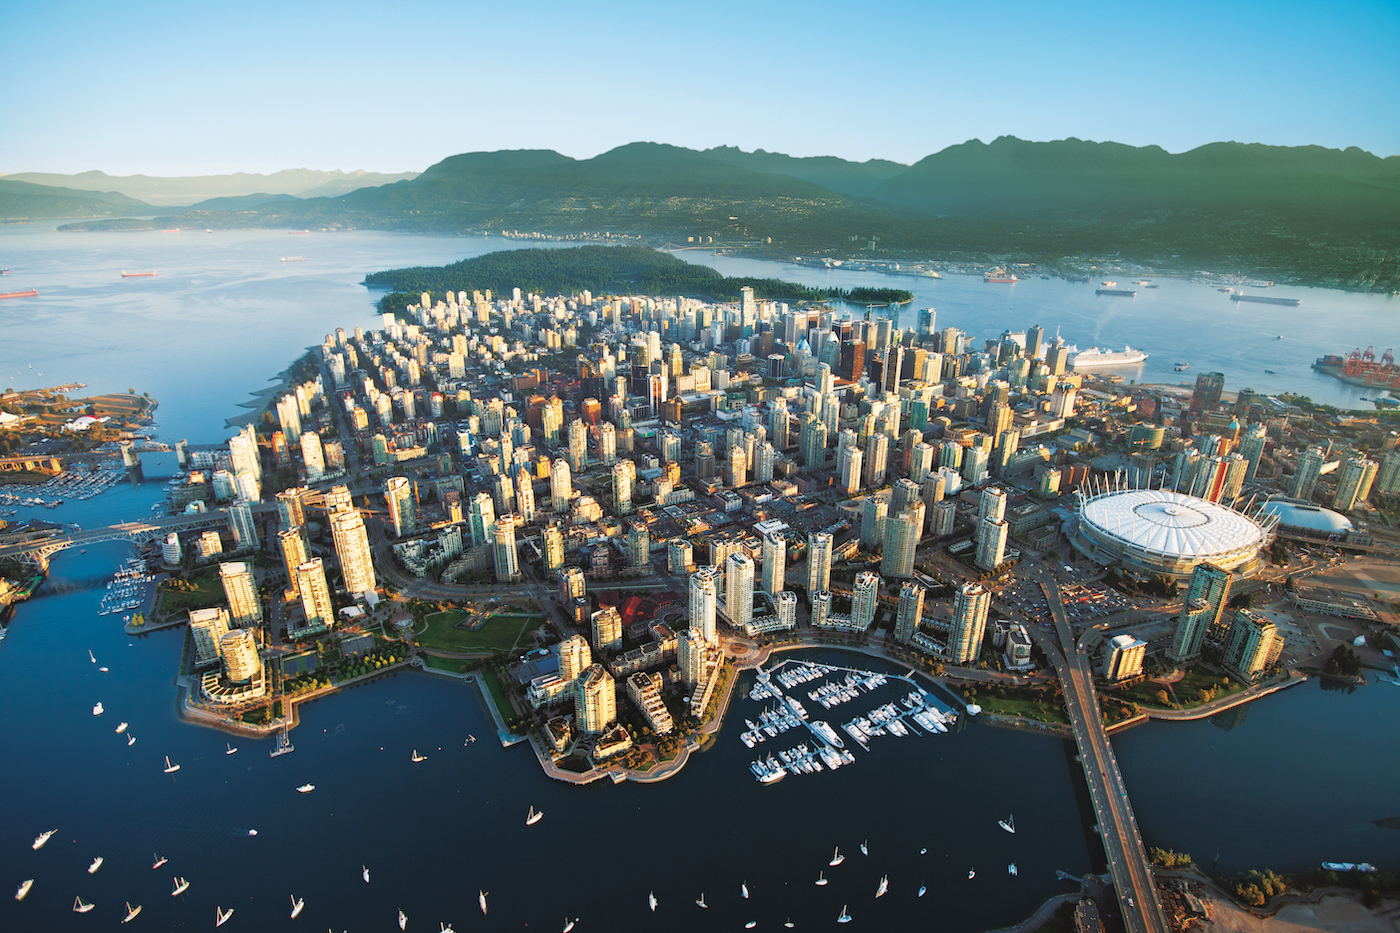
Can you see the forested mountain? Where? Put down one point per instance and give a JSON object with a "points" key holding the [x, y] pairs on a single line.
{"points": [[182, 191], [854, 178], [21, 201]]}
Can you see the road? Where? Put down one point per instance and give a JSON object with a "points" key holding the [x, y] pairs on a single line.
{"points": [[1127, 858]]}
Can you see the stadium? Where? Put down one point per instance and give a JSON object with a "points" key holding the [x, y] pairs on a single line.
{"points": [[1166, 532]]}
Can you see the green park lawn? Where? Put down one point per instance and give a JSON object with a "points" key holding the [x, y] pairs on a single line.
{"points": [[1035, 709], [499, 632], [208, 592]]}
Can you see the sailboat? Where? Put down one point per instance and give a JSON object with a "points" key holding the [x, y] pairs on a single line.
{"points": [[169, 768], [481, 899], [24, 887], [837, 858], [751, 924], [1008, 824], [90, 657], [96, 864], [701, 901], [843, 917], [131, 912], [864, 849], [79, 907], [418, 757], [403, 920], [160, 860], [365, 872], [121, 727], [788, 923], [231, 749], [884, 886], [297, 905], [569, 924], [971, 873], [533, 816], [221, 916], [651, 899], [43, 838], [821, 879], [744, 889], [923, 889], [130, 739], [1011, 869], [179, 887]]}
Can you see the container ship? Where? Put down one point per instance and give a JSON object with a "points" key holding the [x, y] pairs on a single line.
{"points": [[27, 293], [1125, 292], [1361, 368], [1084, 359], [1000, 276], [136, 275], [1265, 300]]}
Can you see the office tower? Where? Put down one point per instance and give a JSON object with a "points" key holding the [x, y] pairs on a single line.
{"points": [[911, 612], [1253, 645], [865, 595], [525, 493], [738, 589], [970, 605], [1252, 449], [574, 657], [738, 466], [1035, 337], [624, 475], [703, 596], [352, 550], [928, 322], [240, 651], [561, 486], [1201, 611], [920, 462], [1354, 484], [901, 538], [398, 494], [607, 630], [207, 627], [818, 563], [872, 515], [294, 553], [503, 550], [578, 445], [774, 563], [849, 467], [552, 552], [483, 517], [315, 594], [877, 456], [595, 700], [1207, 393], [1123, 657], [243, 525], [1309, 469], [243, 604]]}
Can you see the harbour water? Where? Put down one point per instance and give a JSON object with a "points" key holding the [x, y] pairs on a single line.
{"points": [[223, 316]]}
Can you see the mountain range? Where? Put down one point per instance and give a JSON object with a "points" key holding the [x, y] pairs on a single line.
{"points": [[1308, 213]]}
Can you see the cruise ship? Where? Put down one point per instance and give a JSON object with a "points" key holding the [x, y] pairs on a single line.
{"points": [[1084, 359]]}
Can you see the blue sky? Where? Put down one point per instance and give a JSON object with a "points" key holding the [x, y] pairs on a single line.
{"points": [[185, 88]]}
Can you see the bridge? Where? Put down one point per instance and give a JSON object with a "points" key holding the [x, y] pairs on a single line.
{"points": [[1127, 859], [35, 548]]}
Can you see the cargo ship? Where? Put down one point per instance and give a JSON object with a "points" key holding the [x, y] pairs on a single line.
{"points": [[1265, 300], [27, 293], [294, 259], [1361, 368], [1125, 292], [136, 275], [1000, 276], [1084, 359]]}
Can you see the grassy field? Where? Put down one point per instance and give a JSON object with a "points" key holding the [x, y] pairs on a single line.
{"points": [[1033, 709], [498, 694], [453, 665], [499, 631], [208, 592]]}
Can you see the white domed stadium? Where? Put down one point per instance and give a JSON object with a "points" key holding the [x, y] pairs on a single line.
{"points": [[1162, 531]]}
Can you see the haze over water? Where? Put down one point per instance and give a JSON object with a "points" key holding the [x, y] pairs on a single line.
{"points": [[225, 315]]}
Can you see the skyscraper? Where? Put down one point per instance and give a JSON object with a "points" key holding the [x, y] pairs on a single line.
{"points": [[849, 467], [483, 518], [872, 516], [812, 439], [525, 493], [561, 485], [901, 537], [738, 589], [1123, 657], [1207, 393], [553, 549], [991, 544], [1354, 484], [1253, 645], [865, 595], [774, 563], [315, 594], [607, 630], [920, 462], [1309, 469], [243, 525], [877, 458], [1252, 449], [1201, 611], [244, 607], [241, 661], [738, 466], [970, 605], [398, 494], [638, 545], [763, 463], [703, 596], [578, 445], [595, 700], [352, 550], [624, 475], [291, 510], [503, 550], [911, 612], [574, 657], [289, 415], [294, 553], [818, 563]]}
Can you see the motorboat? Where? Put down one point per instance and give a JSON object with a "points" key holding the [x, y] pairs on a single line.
{"points": [[169, 768], [297, 905], [883, 886], [252, 832], [481, 899], [160, 860], [25, 885], [230, 748], [971, 873], [923, 889], [534, 816], [843, 917], [923, 851], [96, 864], [744, 889], [403, 920], [179, 887], [700, 902], [221, 916], [821, 879], [751, 924], [43, 838], [131, 912], [837, 858], [651, 900], [79, 907], [364, 873], [121, 727], [97, 709], [418, 757], [1011, 869], [788, 923], [306, 788], [130, 740], [1008, 824]]}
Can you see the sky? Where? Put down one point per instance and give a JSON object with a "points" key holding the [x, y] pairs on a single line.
{"points": [[165, 88]]}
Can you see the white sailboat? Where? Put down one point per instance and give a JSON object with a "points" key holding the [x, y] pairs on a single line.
{"points": [[864, 849], [923, 889], [1008, 824], [231, 749], [169, 768], [971, 873], [821, 879], [651, 899], [883, 887], [179, 887], [403, 920], [481, 899], [843, 917], [90, 657], [700, 902], [96, 864], [131, 912], [418, 757], [569, 924], [533, 816], [130, 739], [24, 887], [788, 923], [837, 858], [79, 907], [365, 873], [43, 838], [751, 924], [221, 916], [744, 889], [159, 861], [297, 905]]}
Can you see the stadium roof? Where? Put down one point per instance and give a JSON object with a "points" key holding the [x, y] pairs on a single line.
{"points": [[1172, 524]]}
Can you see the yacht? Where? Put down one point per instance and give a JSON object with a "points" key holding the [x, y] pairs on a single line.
{"points": [[837, 858], [884, 886], [96, 864], [131, 912], [481, 899], [788, 923], [231, 749], [130, 739], [403, 920], [221, 916], [744, 889], [651, 899], [533, 816], [751, 924], [179, 887], [160, 860], [306, 788], [418, 757], [24, 887], [364, 872], [844, 917], [821, 878], [169, 768], [43, 838], [79, 907], [297, 905], [252, 832], [121, 727], [97, 709], [923, 889], [1008, 824]]}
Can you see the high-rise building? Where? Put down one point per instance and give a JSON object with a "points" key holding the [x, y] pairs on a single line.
{"points": [[1388, 476], [553, 550], [483, 518], [818, 563], [901, 538], [991, 544], [1207, 393], [849, 468], [595, 700], [571, 584], [504, 488], [1252, 646], [764, 458], [1309, 469], [607, 443], [638, 545], [865, 594], [812, 439], [574, 657], [920, 462], [680, 556], [1252, 449], [872, 516], [352, 550], [944, 518], [1201, 611], [738, 589], [294, 553], [774, 563], [992, 505], [911, 612], [240, 651], [503, 551], [243, 525], [207, 628], [243, 452], [561, 486], [1354, 484], [578, 445], [970, 606], [525, 493], [607, 630], [170, 551], [624, 476], [703, 596], [398, 495], [821, 608], [691, 652], [1123, 657], [877, 458], [289, 415], [950, 454], [315, 594], [291, 510]]}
